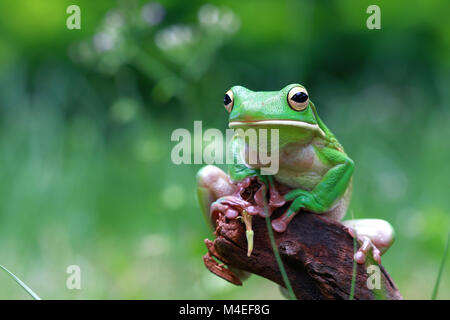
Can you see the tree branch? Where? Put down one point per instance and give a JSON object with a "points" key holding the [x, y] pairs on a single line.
{"points": [[317, 254]]}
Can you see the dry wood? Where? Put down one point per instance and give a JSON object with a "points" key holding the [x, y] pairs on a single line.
{"points": [[317, 254]]}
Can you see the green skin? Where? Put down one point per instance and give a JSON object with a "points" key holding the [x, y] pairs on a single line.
{"points": [[311, 162]]}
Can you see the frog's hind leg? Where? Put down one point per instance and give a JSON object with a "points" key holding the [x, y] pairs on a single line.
{"points": [[375, 235], [212, 184]]}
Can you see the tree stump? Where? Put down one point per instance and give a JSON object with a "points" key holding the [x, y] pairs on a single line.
{"points": [[317, 255]]}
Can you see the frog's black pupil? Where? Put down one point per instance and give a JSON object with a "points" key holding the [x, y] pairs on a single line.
{"points": [[226, 100], [300, 97]]}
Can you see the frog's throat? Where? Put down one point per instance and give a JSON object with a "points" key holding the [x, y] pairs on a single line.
{"points": [[292, 123]]}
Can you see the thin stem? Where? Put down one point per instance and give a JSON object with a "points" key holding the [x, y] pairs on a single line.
{"points": [[441, 269], [286, 280], [355, 247], [352, 288], [23, 285]]}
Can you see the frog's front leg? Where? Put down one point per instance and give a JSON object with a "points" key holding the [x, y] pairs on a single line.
{"points": [[241, 172], [324, 195], [216, 194], [212, 184], [375, 235]]}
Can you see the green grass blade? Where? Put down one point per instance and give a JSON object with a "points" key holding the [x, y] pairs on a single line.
{"points": [[352, 288], [355, 248], [441, 269], [286, 280], [23, 285], [279, 261]]}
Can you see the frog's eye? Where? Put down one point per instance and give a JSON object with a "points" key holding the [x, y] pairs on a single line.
{"points": [[298, 98], [228, 100]]}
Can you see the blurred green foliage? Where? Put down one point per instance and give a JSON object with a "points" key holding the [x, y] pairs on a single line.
{"points": [[86, 117]]}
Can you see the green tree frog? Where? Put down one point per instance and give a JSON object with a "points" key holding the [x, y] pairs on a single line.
{"points": [[314, 170]]}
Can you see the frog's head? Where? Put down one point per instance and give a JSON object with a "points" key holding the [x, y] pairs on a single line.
{"points": [[290, 110]]}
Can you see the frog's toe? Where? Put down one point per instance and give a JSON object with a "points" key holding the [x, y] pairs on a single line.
{"points": [[231, 213], [367, 246], [276, 200], [231, 206], [254, 210], [234, 276], [279, 225]]}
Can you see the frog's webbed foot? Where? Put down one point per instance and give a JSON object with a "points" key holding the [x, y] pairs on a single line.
{"points": [[276, 200], [219, 269], [301, 200], [232, 206], [254, 190], [366, 247], [249, 200], [373, 235]]}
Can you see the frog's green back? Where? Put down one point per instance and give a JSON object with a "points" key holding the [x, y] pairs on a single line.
{"points": [[329, 136]]}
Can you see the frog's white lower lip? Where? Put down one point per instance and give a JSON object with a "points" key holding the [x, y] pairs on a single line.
{"points": [[292, 123]]}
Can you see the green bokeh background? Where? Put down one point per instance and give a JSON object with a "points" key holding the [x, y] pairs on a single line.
{"points": [[86, 118]]}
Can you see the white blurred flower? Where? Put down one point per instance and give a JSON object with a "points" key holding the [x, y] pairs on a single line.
{"points": [[114, 19], [208, 14], [153, 13], [173, 36], [105, 41], [229, 22]]}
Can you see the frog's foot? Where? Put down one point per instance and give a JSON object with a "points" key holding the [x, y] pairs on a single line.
{"points": [[231, 206], [366, 247], [374, 235], [219, 269], [276, 200], [253, 189], [280, 224], [302, 200]]}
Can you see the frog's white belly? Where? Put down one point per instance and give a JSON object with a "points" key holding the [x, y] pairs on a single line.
{"points": [[300, 167]]}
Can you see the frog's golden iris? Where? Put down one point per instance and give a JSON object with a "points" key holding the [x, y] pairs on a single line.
{"points": [[298, 98]]}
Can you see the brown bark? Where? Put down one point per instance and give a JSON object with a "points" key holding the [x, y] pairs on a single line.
{"points": [[317, 254]]}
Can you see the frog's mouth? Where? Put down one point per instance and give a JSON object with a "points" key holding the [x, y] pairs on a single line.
{"points": [[291, 123]]}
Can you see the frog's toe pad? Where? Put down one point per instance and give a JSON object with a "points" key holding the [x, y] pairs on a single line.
{"points": [[279, 225], [231, 213], [366, 247]]}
